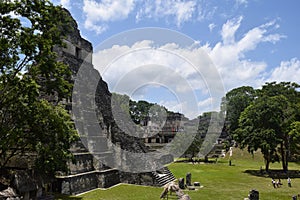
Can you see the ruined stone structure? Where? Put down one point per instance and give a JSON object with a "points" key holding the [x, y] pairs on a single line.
{"points": [[174, 124], [88, 172]]}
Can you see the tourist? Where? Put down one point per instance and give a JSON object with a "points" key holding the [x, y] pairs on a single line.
{"points": [[289, 182], [278, 183], [273, 183]]}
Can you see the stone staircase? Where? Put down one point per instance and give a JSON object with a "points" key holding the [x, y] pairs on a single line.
{"points": [[88, 172], [163, 176]]}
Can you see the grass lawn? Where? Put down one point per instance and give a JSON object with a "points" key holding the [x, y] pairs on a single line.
{"points": [[220, 182]]}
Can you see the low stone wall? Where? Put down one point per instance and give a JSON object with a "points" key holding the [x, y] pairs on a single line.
{"points": [[145, 178], [75, 184], [83, 182], [108, 178]]}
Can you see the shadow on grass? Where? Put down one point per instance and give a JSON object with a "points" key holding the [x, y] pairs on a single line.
{"points": [[274, 173], [195, 160], [66, 197]]}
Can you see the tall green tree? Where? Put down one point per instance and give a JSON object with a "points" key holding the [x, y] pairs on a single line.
{"points": [[294, 136], [260, 125], [290, 96], [266, 123], [29, 72], [234, 104]]}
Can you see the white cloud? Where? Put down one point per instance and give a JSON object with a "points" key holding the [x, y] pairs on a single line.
{"points": [[205, 11], [229, 29], [211, 27], [287, 71], [66, 3], [94, 27], [174, 106], [229, 54], [182, 11], [206, 104], [105, 11], [127, 68], [99, 14], [170, 65], [241, 2]]}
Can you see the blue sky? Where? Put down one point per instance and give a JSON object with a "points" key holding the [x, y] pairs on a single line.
{"points": [[235, 43]]}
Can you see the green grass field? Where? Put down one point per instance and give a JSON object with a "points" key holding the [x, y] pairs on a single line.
{"points": [[220, 182]]}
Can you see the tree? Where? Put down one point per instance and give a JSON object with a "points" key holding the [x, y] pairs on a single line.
{"points": [[294, 136], [265, 123], [259, 126], [232, 105], [30, 72], [289, 114], [235, 103]]}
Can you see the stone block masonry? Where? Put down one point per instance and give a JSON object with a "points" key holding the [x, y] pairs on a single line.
{"points": [[88, 172]]}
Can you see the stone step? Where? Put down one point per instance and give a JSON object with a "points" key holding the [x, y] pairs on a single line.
{"points": [[163, 176], [163, 183], [165, 180]]}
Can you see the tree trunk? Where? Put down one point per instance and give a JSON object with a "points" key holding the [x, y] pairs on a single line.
{"points": [[287, 156], [267, 165], [287, 152], [283, 157], [267, 161]]}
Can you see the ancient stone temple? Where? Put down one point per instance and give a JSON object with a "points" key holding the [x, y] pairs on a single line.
{"points": [[88, 172]]}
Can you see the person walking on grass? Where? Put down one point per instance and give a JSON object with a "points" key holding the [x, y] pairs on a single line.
{"points": [[289, 181], [273, 183], [278, 183]]}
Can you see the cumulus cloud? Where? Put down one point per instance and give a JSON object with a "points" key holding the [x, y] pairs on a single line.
{"points": [[198, 71], [229, 54], [287, 71], [186, 72], [99, 14], [105, 11]]}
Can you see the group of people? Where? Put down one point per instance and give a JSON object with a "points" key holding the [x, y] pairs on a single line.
{"points": [[277, 184]]}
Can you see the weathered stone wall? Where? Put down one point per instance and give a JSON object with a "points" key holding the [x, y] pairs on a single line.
{"points": [[108, 178], [75, 184], [145, 178], [83, 163]]}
